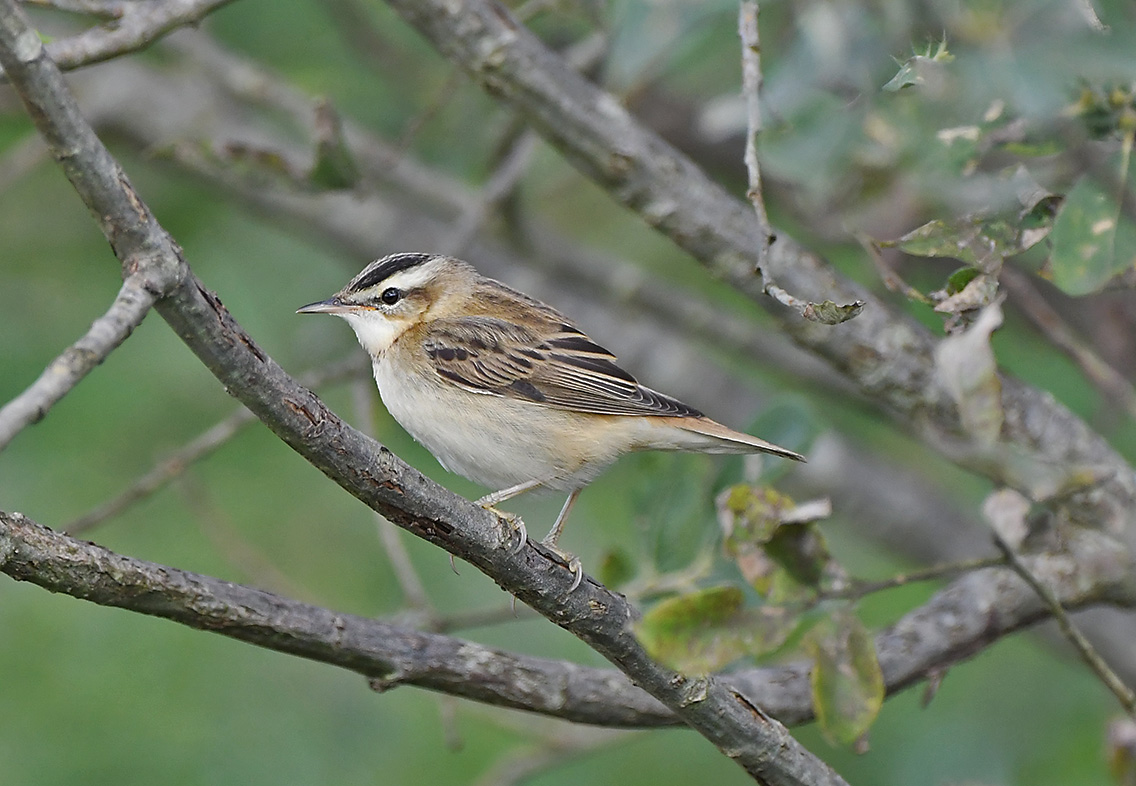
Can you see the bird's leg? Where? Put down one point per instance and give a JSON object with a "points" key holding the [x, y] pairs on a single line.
{"points": [[554, 535], [490, 501]]}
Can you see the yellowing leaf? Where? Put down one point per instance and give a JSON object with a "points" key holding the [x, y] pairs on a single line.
{"points": [[782, 556], [847, 684], [706, 630]]}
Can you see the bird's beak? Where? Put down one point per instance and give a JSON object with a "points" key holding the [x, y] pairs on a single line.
{"points": [[333, 305]]}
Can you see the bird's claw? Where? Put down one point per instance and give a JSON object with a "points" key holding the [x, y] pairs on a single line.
{"points": [[571, 561], [514, 522]]}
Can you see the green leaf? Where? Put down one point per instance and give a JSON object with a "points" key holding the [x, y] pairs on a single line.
{"points": [[706, 630], [847, 684], [960, 278], [980, 242], [1092, 240]]}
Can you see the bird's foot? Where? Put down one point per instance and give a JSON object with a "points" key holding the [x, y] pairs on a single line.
{"points": [[514, 523], [570, 560]]}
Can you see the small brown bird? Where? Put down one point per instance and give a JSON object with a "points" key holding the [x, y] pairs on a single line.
{"points": [[506, 390]]}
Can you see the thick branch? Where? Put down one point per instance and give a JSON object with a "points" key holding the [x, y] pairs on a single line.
{"points": [[981, 607], [389, 654], [129, 308]]}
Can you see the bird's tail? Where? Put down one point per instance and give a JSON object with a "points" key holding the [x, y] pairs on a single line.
{"points": [[710, 436]]}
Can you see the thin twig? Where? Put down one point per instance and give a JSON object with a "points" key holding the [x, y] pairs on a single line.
{"points": [[500, 185], [827, 312], [751, 86], [891, 279], [1084, 648], [856, 589], [1107, 379], [482, 618], [129, 308], [195, 450], [105, 9], [136, 26]]}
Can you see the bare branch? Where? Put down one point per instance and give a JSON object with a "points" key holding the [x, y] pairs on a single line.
{"points": [[1084, 648], [1107, 379], [387, 653], [129, 308], [982, 606], [751, 87], [859, 588], [136, 26]]}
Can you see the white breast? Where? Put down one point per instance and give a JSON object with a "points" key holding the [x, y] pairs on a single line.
{"points": [[494, 441]]}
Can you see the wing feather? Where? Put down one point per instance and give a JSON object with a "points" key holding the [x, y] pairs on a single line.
{"points": [[557, 366]]}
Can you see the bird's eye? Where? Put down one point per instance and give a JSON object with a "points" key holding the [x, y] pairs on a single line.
{"points": [[390, 296]]}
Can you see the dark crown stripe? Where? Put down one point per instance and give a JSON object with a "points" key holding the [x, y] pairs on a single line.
{"points": [[382, 269]]}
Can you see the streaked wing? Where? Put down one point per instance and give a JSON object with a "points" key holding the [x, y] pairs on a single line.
{"points": [[559, 367]]}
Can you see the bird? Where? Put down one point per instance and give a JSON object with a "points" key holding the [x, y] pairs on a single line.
{"points": [[507, 391]]}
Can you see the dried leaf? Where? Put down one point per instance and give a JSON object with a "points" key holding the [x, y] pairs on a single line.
{"points": [[847, 684], [774, 544], [966, 367], [1006, 510], [830, 313], [706, 630], [978, 292]]}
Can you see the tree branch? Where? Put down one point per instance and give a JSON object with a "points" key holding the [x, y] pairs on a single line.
{"points": [[136, 25], [982, 606], [388, 654], [129, 308]]}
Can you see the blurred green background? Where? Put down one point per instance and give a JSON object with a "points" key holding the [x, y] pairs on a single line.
{"points": [[97, 696]]}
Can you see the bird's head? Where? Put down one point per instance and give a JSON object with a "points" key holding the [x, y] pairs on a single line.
{"points": [[395, 293]]}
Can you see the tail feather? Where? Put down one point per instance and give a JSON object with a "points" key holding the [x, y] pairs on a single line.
{"points": [[720, 439]]}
